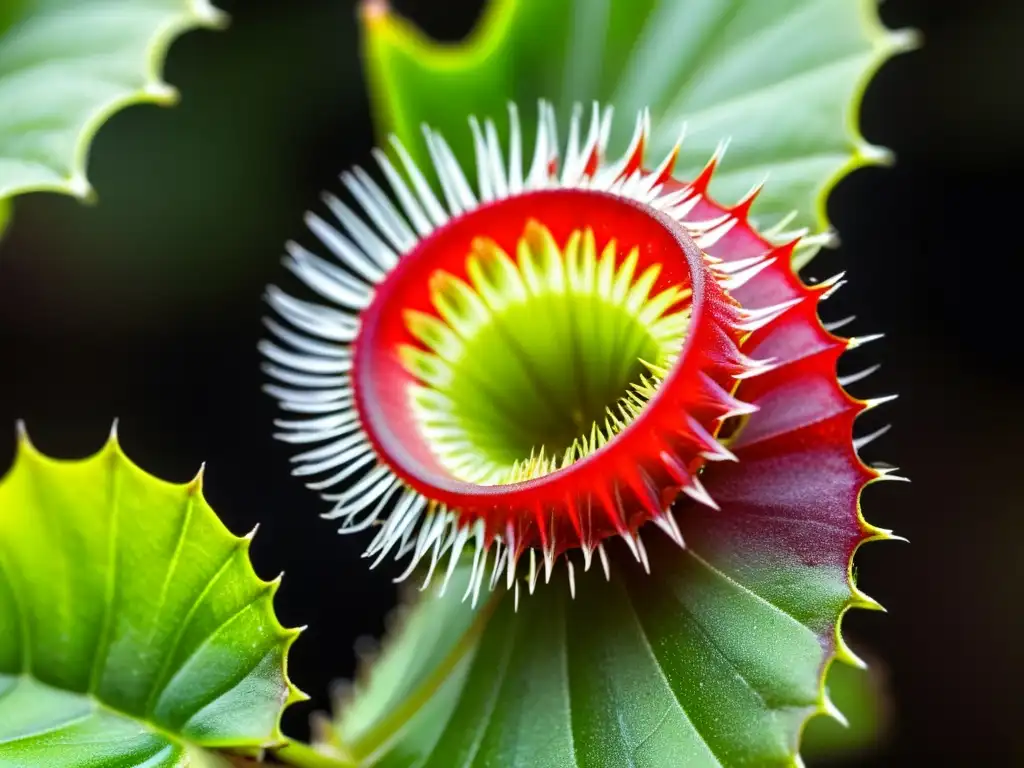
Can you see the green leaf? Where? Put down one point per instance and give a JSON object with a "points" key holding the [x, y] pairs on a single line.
{"points": [[133, 630], [66, 66], [781, 79], [859, 694], [697, 664], [417, 680]]}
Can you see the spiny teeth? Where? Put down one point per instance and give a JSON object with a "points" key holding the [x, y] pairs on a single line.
{"points": [[667, 523], [739, 279], [698, 227], [413, 210], [681, 210], [860, 442], [673, 198], [419, 182], [874, 402], [436, 552], [696, 491], [754, 368], [347, 252], [482, 170], [845, 381], [432, 527], [588, 554], [744, 203], [643, 553], [792, 236], [318, 358], [837, 324], [714, 450], [572, 578], [860, 341], [513, 555], [515, 152], [773, 232], [549, 558], [844, 654], [534, 572], [712, 236], [604, 562], [478, 552], [499, 564], [889, 473], [730, 267], [631, 542], [831, 285], [570, 172], [833, 711], [458, 545], [499, 180], [825, 239], [759, 318]]}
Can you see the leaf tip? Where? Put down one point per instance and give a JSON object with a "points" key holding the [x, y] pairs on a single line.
{"points": [[209, 15], [78, 186], [161, 93], [904, 40], [374, 12], [874, 154], [829, 709], [195, 485], [864, 601], [846, 655]]}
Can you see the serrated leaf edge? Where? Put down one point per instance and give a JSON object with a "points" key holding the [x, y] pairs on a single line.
{"points": [[379, 23], [198, 14], [26, 451]]}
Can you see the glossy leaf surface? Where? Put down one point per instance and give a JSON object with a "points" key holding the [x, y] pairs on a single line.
{"points": [[780, 80], [133, 630]]}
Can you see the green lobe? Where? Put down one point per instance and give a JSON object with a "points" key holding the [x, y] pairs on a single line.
{"points": [[133, 630], [687, 666], [781, 80], [412, 689], [66, 66]]}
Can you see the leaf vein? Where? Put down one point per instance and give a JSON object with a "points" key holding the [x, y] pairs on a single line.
{"points": [[661, 672]]}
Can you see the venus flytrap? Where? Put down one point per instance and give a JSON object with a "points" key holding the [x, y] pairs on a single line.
{"points": [[553, 354]]}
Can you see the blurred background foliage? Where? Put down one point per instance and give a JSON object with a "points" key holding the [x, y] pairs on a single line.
{"points": [[147, 306]]}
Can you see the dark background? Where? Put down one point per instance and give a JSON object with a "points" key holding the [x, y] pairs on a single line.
{"points": [[148, 306]]}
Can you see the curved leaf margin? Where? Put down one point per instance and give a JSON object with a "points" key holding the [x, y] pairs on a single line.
{"points": [[387, 35], [193, 15], [30, 464]]}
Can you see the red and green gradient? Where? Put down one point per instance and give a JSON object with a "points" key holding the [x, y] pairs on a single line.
{"points": [[555, 356]]}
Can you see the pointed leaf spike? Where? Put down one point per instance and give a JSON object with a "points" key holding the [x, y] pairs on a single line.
{"points": [[742, 208], [860, 442], [845, 381], [703, 180], [696, 491], [605, 565], [860, 341], [845, 655], [874, 402]]}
